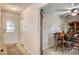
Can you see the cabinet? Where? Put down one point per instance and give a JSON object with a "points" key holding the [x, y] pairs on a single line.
{"points": [[74, 25]]}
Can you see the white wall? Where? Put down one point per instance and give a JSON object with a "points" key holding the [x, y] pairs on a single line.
{"points": [[72, 18], [49, 21], [30, 28]]}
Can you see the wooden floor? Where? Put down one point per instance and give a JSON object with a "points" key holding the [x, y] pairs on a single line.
{"points": [[14, 49]]}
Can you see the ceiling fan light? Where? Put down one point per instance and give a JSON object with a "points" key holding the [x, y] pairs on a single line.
{"points": [[74, 13]]}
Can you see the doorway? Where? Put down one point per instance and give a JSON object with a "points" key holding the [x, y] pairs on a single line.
{"points": [[52, 20], [10, 27], [10, 30]]}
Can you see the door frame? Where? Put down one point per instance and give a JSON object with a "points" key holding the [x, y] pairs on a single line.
{"points": [[41, 11], [41, 33], [3, 30], [41, 27]]}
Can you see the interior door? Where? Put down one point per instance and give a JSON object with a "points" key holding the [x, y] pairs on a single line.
{"points": [[10, 25]]}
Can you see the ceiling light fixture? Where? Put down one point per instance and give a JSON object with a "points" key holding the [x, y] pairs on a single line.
{"points": [[74, 13]]}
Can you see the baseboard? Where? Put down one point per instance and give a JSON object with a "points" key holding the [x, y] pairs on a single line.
{"points": [[28, 51], [10, 43], [48, 47], [23, 49]]}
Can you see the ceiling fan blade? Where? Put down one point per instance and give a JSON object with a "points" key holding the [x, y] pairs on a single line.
{"points": [[61, 9], [67, 14]]}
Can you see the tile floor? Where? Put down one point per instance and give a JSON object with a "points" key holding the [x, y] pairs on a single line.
{"points": [[53, 51]]}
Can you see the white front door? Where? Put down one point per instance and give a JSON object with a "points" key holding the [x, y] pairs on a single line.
{"points": [[10, 25]]}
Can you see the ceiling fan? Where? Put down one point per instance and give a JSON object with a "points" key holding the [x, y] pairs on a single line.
{"points": [[69, 12]]}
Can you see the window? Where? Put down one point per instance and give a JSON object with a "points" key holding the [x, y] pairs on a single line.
{"points": [[10, 26]]}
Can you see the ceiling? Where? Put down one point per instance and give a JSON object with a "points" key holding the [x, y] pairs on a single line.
{"points": [[76, 4], [58, 9], [15, 7], [51, 8], [21, 5]]}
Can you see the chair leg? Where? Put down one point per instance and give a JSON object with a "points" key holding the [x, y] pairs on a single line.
{"points": [[78, 48], [62, 47]]}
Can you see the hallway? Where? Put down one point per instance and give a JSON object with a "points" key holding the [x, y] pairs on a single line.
{"points": [[10, 34], [19, 23]]}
